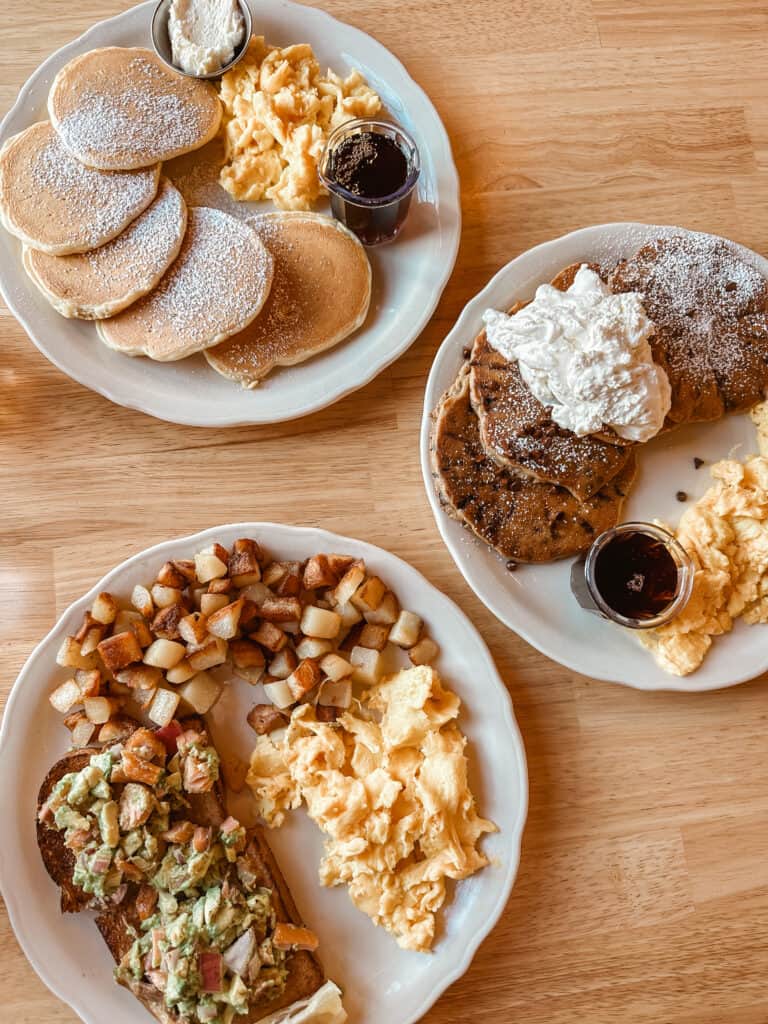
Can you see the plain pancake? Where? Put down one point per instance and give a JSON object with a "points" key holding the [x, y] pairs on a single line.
{"points": [[119, 108], [217, 285], [320, 295], [53, 203], [709, 306], [100, 283], [523, 520]]}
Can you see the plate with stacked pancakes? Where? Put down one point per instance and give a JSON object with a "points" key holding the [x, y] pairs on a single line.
{"points": [[297, 606], [518, 497], [162, 248]]}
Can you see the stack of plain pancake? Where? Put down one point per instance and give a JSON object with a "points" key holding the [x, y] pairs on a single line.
{"points": [[108, 237], [535, 492]]}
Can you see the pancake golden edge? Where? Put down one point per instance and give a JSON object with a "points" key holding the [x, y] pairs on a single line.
{"points": [[91, 75], [216, 286], [318, 263], [18, 225]]}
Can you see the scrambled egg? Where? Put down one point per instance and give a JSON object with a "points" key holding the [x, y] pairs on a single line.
{"points": [[726, 535], [278, 113], [388, 786]]}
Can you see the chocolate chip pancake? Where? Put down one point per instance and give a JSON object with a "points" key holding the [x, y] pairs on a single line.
{"points": [[710, 308], [523, 520], [518, 432]]}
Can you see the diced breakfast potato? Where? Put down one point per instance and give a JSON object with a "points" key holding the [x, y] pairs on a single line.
{"points": [[144, 697], [283, 663], [318, 622], [89, 681], [139, 677], [225, 621], [163, 707], [116, 729], [279, 693], [273, 573], [193, 628], [212, 603], [256, 592], [132, 622], [82, 734], [220, 586], [209, 566], [99, 709], [374, 637], [304, 678], [243, 564], [311, 647], [348, 584], [318, 573], [337, 695], [292, 628], [350, 616], [270, 636], [141, 599], [424, 653], [212, 653], [246, 654], [201, 692], [250, 673], [406, 631], [170, 575], [336, 667], [387, 612], [163, 596], [91, 640], [180, 673], [369, 596], [104, 609], [281, 609], [367, 665], [119, 650], [70, 655], [164, 653], [290, 584], [166, 623], [64, 697], [265, 718]]}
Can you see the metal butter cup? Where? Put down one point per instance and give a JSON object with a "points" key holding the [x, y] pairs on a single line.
{"points": [[161, 40]]}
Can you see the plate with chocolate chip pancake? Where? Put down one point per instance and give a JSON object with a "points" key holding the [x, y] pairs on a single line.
{"points": [[519, 493], [380, 313]]}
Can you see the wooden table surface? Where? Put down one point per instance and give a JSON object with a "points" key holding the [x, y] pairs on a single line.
{"points": [[643, 889]]}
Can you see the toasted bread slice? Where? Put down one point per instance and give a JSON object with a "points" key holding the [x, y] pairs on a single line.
{"points": [[116, 923]]}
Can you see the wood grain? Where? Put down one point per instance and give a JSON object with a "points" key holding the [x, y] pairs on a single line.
{"points": [[643, 889]]}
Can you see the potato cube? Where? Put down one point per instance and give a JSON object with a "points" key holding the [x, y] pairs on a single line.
{"points": [[370, 595], [180, 673], [290, 584], [339, 564], [350, 616], [406, 631], [220, 586], [249, 615], [82, 734], [119, 651], [104, 609], [273, 573], [304, 678], [140, 677], [318, 573], [327, 712], [209, 567], [311, 647], [224, 622], [201, 692], [374, 637], [99, 709], [166, 623], [64, 697], [256, 592], [336, 667], [317, 622], [367, 665], [187, 569], [88, 624], [279, 693], [217, 549], [91, 640], [133, 622], [193, 628], [144, 697], [291, 628], [424, 653], [163, 707], [164, 653], [246, 654], [243, 565], [265, 718], [387, 612], [270, 636], [250, 673], [171, 576], [348, 584], [164, 596], [89, 681], [283, 664], [71, 656], [336, 694], [212, 653], [281, 609], [211, 603], [116, 729]]}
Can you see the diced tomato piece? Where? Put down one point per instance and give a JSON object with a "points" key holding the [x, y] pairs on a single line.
{"points": [[169, 734], [210, 965]]}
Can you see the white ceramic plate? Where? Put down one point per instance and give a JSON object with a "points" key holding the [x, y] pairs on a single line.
{"points": [[383, 984], [409, 275], [536, 601]]}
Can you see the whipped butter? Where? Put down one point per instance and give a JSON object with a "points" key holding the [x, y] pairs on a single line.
{"points": [[585, 354], [204, 34]]}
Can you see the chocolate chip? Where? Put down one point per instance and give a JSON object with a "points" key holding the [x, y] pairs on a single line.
{"points": [[511, 566], [681, 496]]}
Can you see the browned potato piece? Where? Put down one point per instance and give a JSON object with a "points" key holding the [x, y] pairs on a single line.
{"points": [[244, 562], [71, 656], [119, 651], [290, 584], [104, 609], [224, 623], [424, 653], [166, 623], [246, 653], [220, 586], [305, 678], [283, 663], [318, 573], [89, 681], [374, 637], [210, 603], [140, 677], [64, 697], [369, 596], [387, 612], [212, 653], [171, 576], [100, 709], [193, 628], [92, 639], [281, 609], [265, 718], [118, 728], [141, 599], [270, 636], [163, 706], [348, 583]]}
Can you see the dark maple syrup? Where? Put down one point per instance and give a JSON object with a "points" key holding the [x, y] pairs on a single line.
{"points": [[636, 575]]}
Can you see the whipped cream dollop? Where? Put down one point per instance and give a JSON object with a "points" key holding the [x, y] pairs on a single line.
{"points": [[204, 34], [585, 354]]}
